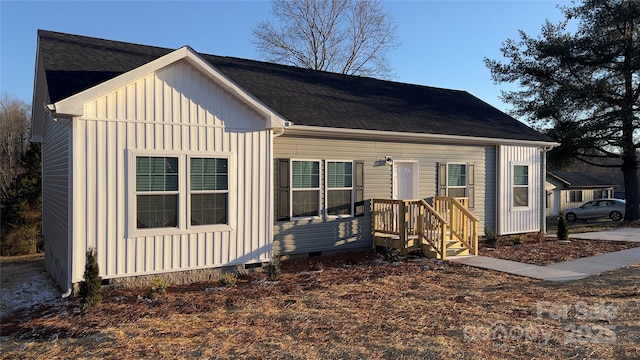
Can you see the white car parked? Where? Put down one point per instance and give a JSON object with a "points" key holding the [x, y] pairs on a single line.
{"points": [[597, 209]]}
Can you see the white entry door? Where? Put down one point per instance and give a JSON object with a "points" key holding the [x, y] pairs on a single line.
{"points": [[405, 180]]}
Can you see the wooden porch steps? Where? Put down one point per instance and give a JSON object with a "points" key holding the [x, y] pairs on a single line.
{"points": [[411, 225]]}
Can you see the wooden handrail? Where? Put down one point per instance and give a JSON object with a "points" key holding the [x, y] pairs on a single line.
{"points": [[414, 224]]}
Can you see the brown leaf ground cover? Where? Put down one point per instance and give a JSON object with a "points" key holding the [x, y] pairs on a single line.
{"points": [[350, 306], [545, 251]]}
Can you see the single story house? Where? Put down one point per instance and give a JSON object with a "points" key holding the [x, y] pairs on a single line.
{"points": [[565, 190], [170, 161]]}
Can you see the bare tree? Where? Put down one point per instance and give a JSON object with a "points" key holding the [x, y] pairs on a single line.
{"points": [[14, 138], [343, 36]]}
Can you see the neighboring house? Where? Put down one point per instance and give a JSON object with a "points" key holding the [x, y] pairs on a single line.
{"points": [[171, 161], [567, 190]]}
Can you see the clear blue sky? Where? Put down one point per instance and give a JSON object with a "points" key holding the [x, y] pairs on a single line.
{"points": [[443, 43]]}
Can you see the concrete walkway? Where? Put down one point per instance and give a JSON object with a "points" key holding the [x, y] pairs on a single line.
{"points": [[568, 270]]}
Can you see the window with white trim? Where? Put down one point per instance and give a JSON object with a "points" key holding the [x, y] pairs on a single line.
{"points": [[520, 185], [299, 186], [181, 191], [305, 188], [209, 189], [156, 192], [339, 187], [457, 180]]}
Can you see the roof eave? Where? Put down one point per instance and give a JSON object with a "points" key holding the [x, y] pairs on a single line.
{"points": [[359, 134]]}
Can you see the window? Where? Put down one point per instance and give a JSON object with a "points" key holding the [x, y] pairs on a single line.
{"points": [[339, 186], [600, 194], [156, 192], [299, 187], [520, 185], [209, 190], [575, 196], [457, 180], [167, 198], [305, 181]]}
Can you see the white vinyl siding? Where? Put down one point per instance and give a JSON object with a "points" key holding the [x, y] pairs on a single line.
{"points": [[513, 218], [176, 111]]}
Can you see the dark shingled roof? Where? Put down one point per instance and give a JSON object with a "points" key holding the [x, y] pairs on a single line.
{"points": [[579, 180], [306, 97]]}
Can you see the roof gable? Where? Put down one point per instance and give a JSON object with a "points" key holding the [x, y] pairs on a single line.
{"points": [[311, 98], [74, 105]]}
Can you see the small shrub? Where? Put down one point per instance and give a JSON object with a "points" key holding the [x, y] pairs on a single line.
{"points": [[229, 279], [563, 231], [518, 240], [274, 268], [539, 236], [158, 286], [490, 237], [90, 288], [316, 266]]}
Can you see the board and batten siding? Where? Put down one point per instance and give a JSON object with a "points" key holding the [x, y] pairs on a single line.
{"points": [[56, 188], [174, 111], [513, 220], [331, 234]]}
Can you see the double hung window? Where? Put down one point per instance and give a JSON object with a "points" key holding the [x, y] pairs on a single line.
{"points": [[305, 180], [457, 180], [181, 191], [315, 188], [520, 185], [339, 188]]}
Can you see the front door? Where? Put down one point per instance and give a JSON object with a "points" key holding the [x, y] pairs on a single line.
{"points": [[405, 180]]}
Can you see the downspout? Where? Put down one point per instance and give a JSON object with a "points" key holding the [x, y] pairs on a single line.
{"points": [[543, 190], [272, 189]]}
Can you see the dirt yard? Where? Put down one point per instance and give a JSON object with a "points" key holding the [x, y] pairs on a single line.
{"points": [[351, 306]]}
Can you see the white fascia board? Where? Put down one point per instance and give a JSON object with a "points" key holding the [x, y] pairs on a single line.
{"points": [[357, 134], [74, 105]]}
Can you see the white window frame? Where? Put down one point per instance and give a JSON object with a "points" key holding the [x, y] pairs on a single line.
{"points": [[527, 186], [327, 189], [191, 192], [466, 179], [292, 189], [184, 199]]}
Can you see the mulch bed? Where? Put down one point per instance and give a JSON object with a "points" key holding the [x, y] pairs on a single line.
{"points": [[550, 250]]}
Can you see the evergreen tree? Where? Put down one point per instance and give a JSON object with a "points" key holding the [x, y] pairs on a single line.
{"points": [[584, 86], [90, 287]]}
